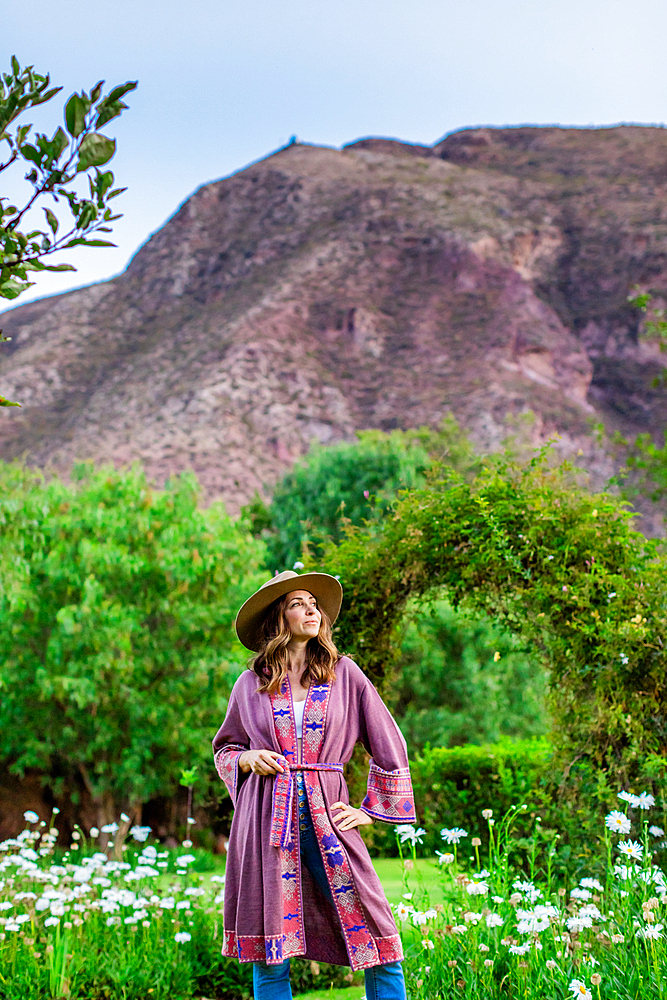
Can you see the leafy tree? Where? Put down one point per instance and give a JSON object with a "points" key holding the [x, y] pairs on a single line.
{"points": [[351, 483], [458, 680], [55, 165], [117, 646], [535, 552]]}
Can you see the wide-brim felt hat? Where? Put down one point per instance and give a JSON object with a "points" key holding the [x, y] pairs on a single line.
{"points": [[322, 586]]}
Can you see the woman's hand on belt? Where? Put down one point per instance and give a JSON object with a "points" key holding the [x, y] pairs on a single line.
{"points": [[261, 762], [349, 817]]}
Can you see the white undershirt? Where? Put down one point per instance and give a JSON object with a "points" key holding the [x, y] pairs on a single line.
{"points": [[298, 717]]}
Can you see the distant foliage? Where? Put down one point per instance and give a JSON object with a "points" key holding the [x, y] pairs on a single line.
{"points": [[350, 483], [117, 646], [459, 680]]}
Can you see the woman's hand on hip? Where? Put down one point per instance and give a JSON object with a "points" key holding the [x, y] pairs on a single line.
{"points": [[349, 817], [261, 762]]}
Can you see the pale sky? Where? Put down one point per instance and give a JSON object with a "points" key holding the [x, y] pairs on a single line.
{"points": [[224, 83]]}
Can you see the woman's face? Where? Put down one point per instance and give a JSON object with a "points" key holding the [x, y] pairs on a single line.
{"points": [[302, 614]]}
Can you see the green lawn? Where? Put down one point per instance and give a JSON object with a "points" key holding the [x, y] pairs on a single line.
{"points": [[425, 872], [351, 993]]}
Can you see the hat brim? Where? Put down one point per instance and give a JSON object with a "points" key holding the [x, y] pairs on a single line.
{"points": [[323, 586]]}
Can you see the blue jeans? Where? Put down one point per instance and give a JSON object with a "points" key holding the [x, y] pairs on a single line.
{"points": [[271, 982]]}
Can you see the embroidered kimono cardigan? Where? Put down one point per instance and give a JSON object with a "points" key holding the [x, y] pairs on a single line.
{"points": [[273, 908]]}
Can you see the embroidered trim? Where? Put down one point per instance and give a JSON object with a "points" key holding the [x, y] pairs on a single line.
{"points": [[256, 948], [390, 949], [389, 796], [226, 764], [293, 942]]}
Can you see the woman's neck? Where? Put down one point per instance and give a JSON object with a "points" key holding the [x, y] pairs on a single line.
{"points": [[297, 657]]}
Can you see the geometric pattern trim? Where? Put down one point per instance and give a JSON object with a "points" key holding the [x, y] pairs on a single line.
{"points": [[226, 764], [389, 796], [293, 941]]}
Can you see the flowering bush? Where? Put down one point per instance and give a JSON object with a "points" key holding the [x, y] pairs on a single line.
{"points": [[146, 928], [503, 932]]}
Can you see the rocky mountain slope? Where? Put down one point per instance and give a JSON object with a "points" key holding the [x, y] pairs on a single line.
{"points": [[383, 285]]}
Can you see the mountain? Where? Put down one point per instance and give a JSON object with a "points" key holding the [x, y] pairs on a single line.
{"points": [[382, 285]]}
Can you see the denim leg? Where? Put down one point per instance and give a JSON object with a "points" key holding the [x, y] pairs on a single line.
{"points": [[271, 982], [385, 982]]}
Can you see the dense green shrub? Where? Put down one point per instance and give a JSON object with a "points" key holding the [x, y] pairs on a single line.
{"points": [[453, 785]]}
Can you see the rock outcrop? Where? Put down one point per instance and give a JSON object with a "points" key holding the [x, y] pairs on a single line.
{"points": [[383, 285]]}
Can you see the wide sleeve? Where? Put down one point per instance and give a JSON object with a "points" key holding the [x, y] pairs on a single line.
{"points": [[230, 742], [389, 796]]}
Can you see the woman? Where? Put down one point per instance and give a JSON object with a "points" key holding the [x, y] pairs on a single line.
{"points": [[299, 879]]}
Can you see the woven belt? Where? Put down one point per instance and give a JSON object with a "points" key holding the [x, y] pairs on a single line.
{"points": [[283, 799]]}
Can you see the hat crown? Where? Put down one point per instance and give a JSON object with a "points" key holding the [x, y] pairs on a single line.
{"points": [[287, 574]]}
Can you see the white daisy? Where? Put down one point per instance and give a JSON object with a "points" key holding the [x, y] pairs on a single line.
{"points": [[454, 835], [618, 822], [631, 849]]}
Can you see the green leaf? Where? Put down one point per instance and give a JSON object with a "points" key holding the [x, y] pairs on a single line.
{"points": [[103, 182], [52, 220], [11, 289], [95, 150], [115, 193], [108, 112], [96, 91], [75, 115], [7, 402], [98, 243], [121, 90], [59, 142], [59, 267], [43, 98], [188, 776], [29, 152]]}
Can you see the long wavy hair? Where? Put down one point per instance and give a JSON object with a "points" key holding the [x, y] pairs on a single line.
{"points": [[272, 661]]}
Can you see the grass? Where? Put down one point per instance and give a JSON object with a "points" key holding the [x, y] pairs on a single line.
{"points": [[425, 874], [351, 993]]}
